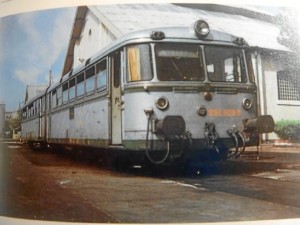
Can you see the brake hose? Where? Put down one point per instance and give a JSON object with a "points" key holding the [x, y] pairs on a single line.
{"points": [[147, 147]]}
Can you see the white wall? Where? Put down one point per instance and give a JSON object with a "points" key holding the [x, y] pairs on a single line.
{"points": [[94, 37], [280, 110]]}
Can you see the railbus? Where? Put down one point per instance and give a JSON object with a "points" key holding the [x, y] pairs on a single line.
{"points": [[161, 94]]}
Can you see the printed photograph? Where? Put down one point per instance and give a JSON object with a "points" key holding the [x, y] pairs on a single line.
{"points": [[150, 113]]}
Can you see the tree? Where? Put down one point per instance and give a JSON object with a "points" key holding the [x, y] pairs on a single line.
{"points": [[288, 21]]}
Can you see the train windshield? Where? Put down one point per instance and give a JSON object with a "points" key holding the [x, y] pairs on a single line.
{"points": [[225, 64], [179, 62]]}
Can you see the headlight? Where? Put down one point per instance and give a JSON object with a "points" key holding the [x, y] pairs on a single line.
{"points": [[162, 103], [201, 28], [247, 103]]}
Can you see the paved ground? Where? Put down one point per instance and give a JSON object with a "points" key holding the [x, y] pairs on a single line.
{"points": [[46, 186]]}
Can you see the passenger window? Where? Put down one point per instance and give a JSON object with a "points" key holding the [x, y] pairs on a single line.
{"points": [[37, 105], [117, 69], [72, 89], [90, 79], [65, 92], [43, 103], [101, 71], [250, 67], [54, 99], [25, 113], [80, 85], [33, 109], [59, 96]]}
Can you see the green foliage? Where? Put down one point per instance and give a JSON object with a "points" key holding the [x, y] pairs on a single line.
{"points": [[288, 129]]}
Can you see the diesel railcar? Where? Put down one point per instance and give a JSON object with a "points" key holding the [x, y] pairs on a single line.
{"points": [[162, 94]]}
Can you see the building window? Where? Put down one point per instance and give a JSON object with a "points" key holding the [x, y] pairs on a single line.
{"points": [[288, 85]]}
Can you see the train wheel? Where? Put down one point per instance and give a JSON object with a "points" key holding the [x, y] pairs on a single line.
{"points": [[222, 151], [30, 144]]}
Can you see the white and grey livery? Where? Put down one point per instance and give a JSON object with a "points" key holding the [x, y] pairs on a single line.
{"points": [[162, 94]]}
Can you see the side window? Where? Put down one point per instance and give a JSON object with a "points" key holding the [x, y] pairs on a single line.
{"points": [[59, 96], [90, 79], [49, 101], [54, 99], [250, 67], [33, 109], [38, 106], [117, 69], [24, 113], [43, 104], [72, 89], [101, 71], [80, 85], [65, 92]]}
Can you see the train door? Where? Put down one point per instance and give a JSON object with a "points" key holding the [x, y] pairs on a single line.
{"points": [[116, 115]]}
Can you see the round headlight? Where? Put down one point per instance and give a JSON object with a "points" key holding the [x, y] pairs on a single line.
{"points": [[162, 103], [201, 28], [247, 103]]}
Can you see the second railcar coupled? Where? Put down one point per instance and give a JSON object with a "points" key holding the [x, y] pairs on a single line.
{"points": [[165, 93]]}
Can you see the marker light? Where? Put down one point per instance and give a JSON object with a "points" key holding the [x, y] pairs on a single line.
{"points": [[162, 103], [201, 111], [247, 103], [201, 28]]}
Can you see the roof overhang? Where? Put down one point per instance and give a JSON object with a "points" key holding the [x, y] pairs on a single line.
{"points": [[79, 21]]}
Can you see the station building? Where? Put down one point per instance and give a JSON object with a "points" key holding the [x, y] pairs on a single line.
{"points": [[13, 125], [95, 27]]}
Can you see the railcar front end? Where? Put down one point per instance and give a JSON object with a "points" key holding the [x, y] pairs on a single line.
{"points": [[186, 96]]}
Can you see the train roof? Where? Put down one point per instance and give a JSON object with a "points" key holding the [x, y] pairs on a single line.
{"points": [[171, 34], [34, 92], [40, 94]]}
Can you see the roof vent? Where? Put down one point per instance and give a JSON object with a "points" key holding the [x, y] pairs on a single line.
{"points": [[157, 35]]}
